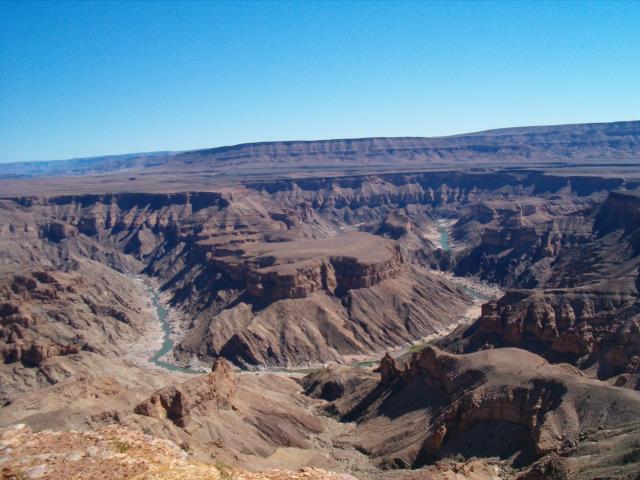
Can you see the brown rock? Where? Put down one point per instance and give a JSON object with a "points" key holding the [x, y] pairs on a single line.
{"points": [[214, 390]]}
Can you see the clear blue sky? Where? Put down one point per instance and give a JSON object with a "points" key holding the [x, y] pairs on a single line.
{"points": [[83, 79]]}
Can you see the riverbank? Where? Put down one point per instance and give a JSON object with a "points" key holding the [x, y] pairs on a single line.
{"points": [[478, 289], [438, 234], [152, 337], [160, 341], [157, 341]]}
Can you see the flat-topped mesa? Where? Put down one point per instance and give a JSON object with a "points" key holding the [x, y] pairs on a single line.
{"points": [[298, 268]]}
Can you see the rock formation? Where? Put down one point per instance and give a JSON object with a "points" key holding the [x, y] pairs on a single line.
{"points": [[580, 327], [176, 403], [580, 303], [440, 404]]}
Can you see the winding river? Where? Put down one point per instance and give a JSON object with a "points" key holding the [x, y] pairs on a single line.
{"points": [[167, 344]]}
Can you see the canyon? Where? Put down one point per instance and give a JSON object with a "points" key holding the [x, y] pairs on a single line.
{"points": [[319, 308]]}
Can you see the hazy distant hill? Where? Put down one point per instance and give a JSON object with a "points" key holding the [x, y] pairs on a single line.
{"points": [[589, 143]]}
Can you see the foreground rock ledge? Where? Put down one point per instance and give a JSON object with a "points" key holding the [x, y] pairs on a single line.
{"points": [[114, 452]]}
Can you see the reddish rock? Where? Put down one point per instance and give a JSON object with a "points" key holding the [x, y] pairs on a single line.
{"points": [[389, 369], [214, 390]]}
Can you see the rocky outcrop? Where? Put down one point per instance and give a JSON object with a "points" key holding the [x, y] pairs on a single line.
{"points": [[47, 313], [215, 390], [272, 273], [34, 354], [473, 399], [580, 326], [440, 405], [122, 452], [509, 255], [436, 189], [129, 200], [135, 223], [324, 326], [335, 275], [335, 382], [395, 226], [57, 231], [389, 369]]}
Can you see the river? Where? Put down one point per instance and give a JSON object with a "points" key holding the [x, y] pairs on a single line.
{"points": [[167, 344], [479, 291], [444, 235]]}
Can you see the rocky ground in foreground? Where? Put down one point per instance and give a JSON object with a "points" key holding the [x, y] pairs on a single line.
{"points": [[114, 452]]}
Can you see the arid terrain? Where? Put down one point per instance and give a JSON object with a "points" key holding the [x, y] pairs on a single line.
{"points": [[401, 308]]}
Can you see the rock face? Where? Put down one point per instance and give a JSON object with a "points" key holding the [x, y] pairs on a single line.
{"points": [[246, 265], [295, 269], [439, 189], [34, 354], [473, 400], [242, 418], [580, 327], [578, 299], [232, 263], [46, 314], [306, 269], [324, 326], [176, 403], [440, 405], [388, 369], [335, 382], [621, 211]]}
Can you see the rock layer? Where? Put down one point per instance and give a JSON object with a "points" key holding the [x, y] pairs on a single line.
{"points": [[440, 404], [581, 327]]}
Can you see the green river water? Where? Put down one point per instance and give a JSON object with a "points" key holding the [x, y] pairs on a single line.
{"points": [[444, 237], [167, 343], [163, 315]]}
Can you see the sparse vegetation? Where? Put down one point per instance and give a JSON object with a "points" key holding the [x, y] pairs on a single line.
{"points": [[418, 347], [122, 446], [367, 364], [226, 472]]}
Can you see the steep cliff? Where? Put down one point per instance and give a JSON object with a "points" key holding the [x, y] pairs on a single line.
{"points": [[591, 329]]}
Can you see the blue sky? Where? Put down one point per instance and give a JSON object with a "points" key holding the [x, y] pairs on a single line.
{"points": [[83, 79]]}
